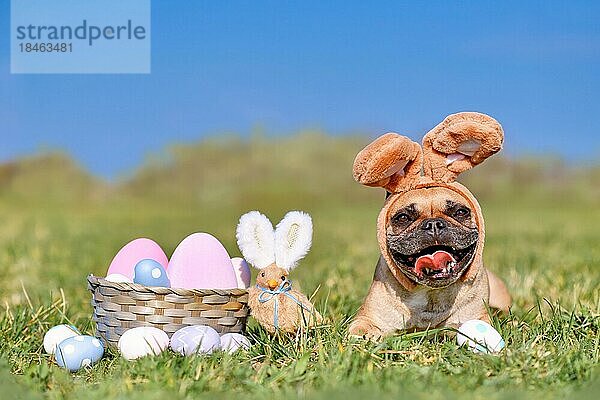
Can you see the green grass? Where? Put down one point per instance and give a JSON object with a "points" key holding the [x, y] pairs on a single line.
{"points": [[542, 238]]}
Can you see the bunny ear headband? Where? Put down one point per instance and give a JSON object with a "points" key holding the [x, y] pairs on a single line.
{"points": [[457, 144], [262, 246], [397, 164]]}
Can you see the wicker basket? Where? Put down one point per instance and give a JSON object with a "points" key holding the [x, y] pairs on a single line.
{"points": [[121, 306]]}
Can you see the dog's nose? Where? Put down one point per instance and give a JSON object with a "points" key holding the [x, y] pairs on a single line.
{"points": [[434, 226]]}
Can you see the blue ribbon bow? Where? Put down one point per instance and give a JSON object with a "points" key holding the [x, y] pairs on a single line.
{"points": [[284, 289]]}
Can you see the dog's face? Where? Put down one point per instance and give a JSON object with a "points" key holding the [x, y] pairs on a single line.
{"points": [[432, 235]]}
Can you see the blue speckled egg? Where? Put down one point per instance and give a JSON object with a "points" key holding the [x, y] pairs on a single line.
{"points": [[150, 273], [79, 351]]}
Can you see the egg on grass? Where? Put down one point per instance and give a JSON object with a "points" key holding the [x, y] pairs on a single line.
{"points": [[479, 337], [78, 352], [196, 339], [142, 341], [232, 342], [57, 334]]}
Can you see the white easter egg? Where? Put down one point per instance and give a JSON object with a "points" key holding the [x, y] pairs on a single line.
{"points": [[480, 337], [118, 278], [232, 342], [78, 351], [56, 335], [195, 339], [142, 341]]}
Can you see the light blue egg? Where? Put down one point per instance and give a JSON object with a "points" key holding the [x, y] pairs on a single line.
{"points": [[150, 273], [79, 351]]}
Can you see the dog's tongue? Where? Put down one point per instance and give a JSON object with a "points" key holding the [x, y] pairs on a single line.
{"points": [[436, 261]]}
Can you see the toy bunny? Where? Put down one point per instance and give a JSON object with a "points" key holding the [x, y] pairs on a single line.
{"points": [[273, 302]]}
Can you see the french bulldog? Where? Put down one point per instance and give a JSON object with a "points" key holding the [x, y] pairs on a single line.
{"points": [[430, 230]]}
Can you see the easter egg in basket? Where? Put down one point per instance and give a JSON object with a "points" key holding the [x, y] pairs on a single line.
{"points": [[132, 253], [201, 262]]}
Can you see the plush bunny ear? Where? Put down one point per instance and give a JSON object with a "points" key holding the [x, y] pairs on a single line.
{"points": [[391, 161], [459, 143], [256, 239], [293, 237]]}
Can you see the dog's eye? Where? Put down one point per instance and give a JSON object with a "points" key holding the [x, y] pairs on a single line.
{"points": [[462, 213], [283, 278], [401, 218]]}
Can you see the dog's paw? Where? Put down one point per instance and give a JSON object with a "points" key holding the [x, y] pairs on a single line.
{"points": [[363, 329]]}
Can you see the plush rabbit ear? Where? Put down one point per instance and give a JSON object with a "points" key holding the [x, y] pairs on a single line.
{"points": [[459, 143], [256, 239], [293, 237], [391, 161]]}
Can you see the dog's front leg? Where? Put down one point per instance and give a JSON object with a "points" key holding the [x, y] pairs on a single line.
{"points": [[383, 312]]}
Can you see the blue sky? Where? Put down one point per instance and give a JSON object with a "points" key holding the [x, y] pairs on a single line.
{"points": [[347, 66]]}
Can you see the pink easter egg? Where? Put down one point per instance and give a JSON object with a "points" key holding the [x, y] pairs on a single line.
{"points": [[201, 262], [134, 252], [242, 272]]}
